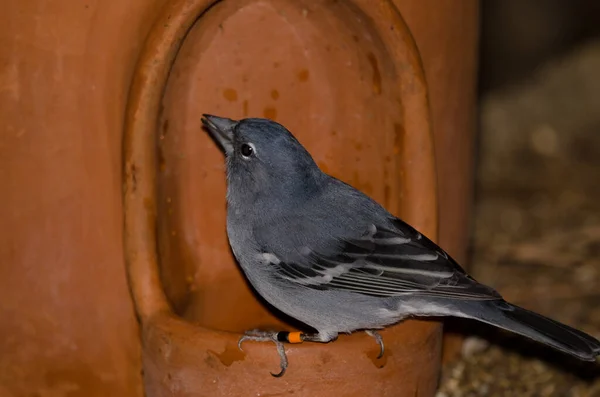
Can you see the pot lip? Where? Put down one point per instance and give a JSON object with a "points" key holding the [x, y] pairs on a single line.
{"points": [[176, 328], [419, 204], [139, 133]]}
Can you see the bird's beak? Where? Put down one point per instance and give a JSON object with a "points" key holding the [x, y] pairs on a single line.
{"points": [[221, 129]]}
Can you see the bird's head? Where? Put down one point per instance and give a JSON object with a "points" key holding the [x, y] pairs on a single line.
{"points": [[263, 159]]}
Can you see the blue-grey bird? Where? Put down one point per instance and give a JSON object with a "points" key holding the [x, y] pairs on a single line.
{"points": [[331, 257]]}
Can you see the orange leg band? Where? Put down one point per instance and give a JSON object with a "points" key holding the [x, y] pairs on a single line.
{"points": [[295, 337]]}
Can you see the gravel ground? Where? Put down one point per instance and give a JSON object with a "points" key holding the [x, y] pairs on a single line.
{"points": [[537, 227]]}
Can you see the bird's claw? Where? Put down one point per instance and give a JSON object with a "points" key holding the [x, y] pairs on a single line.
{"points": [[257, 336], [267, 336], [379, 340]]}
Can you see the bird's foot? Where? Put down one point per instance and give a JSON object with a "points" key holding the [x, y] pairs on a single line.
{"points": [[276, 337], [379, 340], [281, 337]]}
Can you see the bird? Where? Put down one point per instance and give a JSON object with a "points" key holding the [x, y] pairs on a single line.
{"points": [[331, 257]]}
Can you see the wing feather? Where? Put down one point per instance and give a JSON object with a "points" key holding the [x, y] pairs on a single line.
{"points": [[387, 261]]}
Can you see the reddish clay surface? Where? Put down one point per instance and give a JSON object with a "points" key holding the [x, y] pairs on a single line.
{"points": [[348, 81], [345, 77], [67, 322], [447, 34]]}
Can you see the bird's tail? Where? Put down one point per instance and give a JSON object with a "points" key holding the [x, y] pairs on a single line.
{"points": [[539, 328]]}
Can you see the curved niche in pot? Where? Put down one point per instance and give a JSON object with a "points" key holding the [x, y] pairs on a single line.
{"points": [[345, 77]]}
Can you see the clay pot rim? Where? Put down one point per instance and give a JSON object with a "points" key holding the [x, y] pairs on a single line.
{"points": [[140, 129], [170, 324]]}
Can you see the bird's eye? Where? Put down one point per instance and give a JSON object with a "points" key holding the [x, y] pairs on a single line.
{"points": [[247, 150]]}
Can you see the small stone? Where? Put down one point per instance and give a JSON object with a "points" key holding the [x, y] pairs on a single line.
{"points": [[473, 345], [544, 140]]}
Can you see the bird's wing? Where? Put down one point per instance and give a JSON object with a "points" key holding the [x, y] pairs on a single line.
{"points": [[384, 262]]}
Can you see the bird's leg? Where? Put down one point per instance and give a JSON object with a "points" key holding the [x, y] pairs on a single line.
{"points": [[322, 337], [268, 336], [284, 336], [378, 339]]}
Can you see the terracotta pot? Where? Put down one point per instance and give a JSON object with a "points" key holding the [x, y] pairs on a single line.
{"points": [[447, 34], [67, 325], [347, 78]]}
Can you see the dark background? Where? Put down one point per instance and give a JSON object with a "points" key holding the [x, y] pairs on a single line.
{"points": [[517, 36], [536, 223]]}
